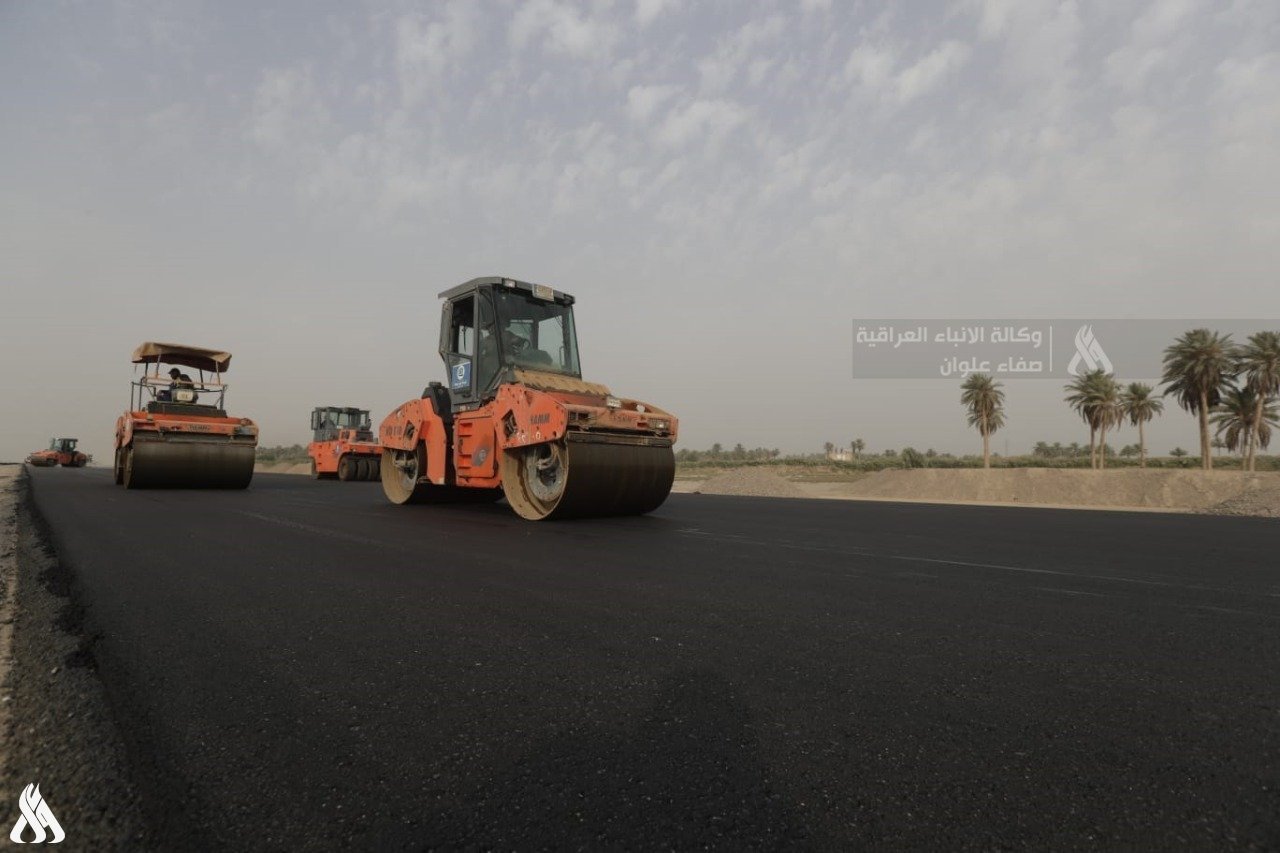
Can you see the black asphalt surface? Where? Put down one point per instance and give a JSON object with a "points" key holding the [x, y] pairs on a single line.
{"points": [[304, 665]]}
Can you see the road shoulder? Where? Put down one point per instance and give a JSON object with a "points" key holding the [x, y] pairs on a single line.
{"points": [[56, 725]]}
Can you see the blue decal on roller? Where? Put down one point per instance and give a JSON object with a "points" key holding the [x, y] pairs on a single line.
{"points": [[460, 377]]}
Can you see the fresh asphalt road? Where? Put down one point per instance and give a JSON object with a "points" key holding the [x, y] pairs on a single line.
{"points": [[305, 665]]}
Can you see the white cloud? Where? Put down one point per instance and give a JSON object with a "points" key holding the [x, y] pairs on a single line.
{"points": [[648, 11], [994, 16], [708, 120], [870, 65], [927, 74], [561, 29], [736, 50], [287, 110], [643, 100], [427, 48]]}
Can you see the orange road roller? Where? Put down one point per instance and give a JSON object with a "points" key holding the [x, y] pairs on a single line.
{"points": [[516, 419], [343, 445], [61, 451], [177, 434]]}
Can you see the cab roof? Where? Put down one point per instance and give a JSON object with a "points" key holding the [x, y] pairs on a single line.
{"points": [[198, 358], [510, 283]]}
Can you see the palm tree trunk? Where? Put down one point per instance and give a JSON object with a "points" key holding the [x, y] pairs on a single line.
{"points": [[1093, 446], [1253, 433], [1206, 460], [986, 444], [1102, 448], [1142, 446]]}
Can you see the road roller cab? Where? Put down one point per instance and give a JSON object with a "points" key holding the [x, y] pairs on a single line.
{"points": [[343, 445], [515, 417], [177, 433]]}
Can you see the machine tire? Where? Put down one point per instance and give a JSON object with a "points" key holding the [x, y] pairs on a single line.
{"points": [[367, 468], [347, 468], [315, 472]]}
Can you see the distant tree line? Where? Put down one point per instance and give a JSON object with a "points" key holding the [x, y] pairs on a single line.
{"points": [[1231, 387], [283, 453], [717, 453]]}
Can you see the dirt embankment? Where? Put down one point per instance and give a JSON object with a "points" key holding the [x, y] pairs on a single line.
{"points": [[57, 725], [1220, 492], [282, 468]]}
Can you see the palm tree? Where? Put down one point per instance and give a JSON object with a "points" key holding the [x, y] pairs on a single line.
{"points": [[1110, 412], [1197, 370], [1079, 397], [1140, 405], [1243, 422], [857, 446], [1095, 396], [982, 396], [1258, 364]]}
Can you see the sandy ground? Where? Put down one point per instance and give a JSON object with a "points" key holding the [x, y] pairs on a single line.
{"points": [[283, 468], [1221, 492]]}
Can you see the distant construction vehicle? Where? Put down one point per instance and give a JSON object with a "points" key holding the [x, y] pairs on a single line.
{"points": [[62, 451], [343, 445], [176, 433], [518, 420]]}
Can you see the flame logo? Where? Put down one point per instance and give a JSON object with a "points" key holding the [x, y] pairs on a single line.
{"points": [[1089, 352], [36, 814]]}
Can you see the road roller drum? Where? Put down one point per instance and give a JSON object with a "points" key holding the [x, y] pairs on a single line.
{"points": [[188, 465], [577, 479]]}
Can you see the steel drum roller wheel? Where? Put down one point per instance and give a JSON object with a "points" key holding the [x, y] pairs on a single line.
{"points": [[581, 479], [188, 465], [400, 471]]}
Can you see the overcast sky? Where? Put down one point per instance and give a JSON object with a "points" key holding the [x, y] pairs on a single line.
{"points": [[723, 185]]}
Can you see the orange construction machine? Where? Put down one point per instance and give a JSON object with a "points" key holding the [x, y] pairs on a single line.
{"points": [[62, 451], [517, 419], [176, 433], [343, 445]]}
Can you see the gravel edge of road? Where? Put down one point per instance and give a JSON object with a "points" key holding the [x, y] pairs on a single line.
{"points": [[57, 729]]}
